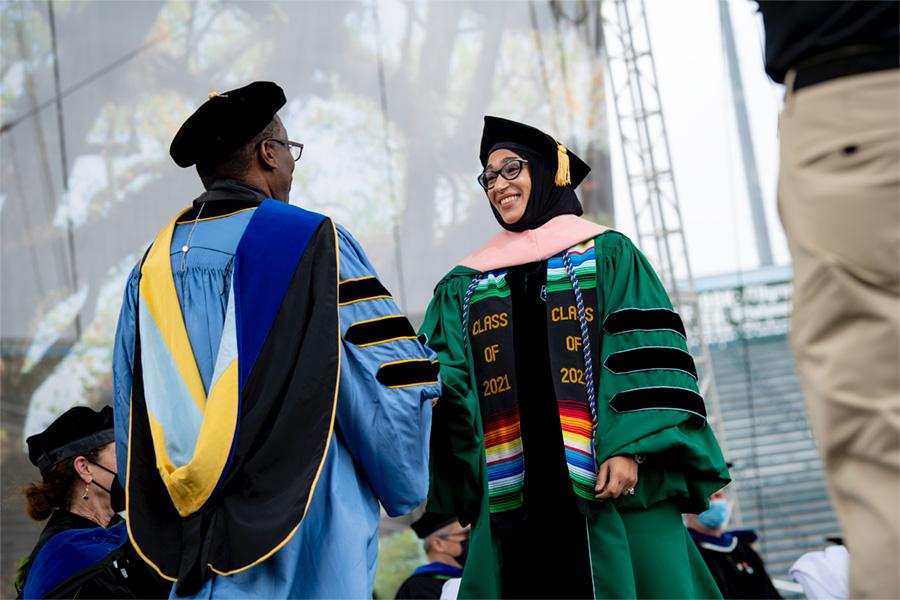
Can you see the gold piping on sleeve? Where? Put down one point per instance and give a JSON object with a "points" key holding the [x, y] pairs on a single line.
{"points": [[394, 339], [406, 385], [348, 303], [360, 299], [408, 360]]}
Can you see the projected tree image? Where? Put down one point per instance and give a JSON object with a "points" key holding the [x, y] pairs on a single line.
{"points": [[387, 96]]}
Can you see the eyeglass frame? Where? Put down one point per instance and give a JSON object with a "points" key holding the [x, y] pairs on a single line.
{"points": [[499, 173], [287, 144]]}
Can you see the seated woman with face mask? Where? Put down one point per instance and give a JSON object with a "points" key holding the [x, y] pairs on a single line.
{"points": [[737, 568], [570, 431], [83, 550]]}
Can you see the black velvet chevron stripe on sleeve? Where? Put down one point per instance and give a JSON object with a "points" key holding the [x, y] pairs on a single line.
{"points": [[403, 373], [649, 358], [659, 397], [379, 331], [638, 319], [358, 290]]}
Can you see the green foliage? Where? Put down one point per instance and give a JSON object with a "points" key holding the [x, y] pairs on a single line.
{"points": [[398, 557]]}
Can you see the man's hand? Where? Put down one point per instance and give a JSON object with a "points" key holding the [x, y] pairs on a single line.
{"points": [[617, 476]]}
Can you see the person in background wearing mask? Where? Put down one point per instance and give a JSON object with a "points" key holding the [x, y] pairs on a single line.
{"points": [[737, 568], [84, 550], [446, 544]]}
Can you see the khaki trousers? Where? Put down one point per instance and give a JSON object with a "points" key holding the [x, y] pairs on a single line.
{"points": [[839, 200]]}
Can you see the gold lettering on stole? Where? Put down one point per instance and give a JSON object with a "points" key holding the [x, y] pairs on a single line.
{"points": [[489, 322], [570, 313], [491, 352], [491, 333]]}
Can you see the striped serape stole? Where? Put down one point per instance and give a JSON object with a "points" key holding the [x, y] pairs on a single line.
{"points": [[573, 344], [489, 329]]}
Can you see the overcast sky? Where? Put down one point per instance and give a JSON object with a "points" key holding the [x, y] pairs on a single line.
{"points": [[699, 114]]}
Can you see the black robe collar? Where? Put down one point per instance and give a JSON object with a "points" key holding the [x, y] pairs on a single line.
{"points": [[60, 520], [223, 197], [230, 189]]}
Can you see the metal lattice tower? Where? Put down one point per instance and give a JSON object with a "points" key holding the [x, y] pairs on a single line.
{"points": [[651, 183]]}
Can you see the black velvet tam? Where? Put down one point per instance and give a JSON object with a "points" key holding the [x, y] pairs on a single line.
{"points": [[498, 130], [225, 122], [74, 432], [430, 522]]}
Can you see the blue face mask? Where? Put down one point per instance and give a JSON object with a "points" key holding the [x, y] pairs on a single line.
{"points": [[716, 515]]}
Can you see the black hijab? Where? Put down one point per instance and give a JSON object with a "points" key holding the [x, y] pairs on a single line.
{"points": [[547, 200]]}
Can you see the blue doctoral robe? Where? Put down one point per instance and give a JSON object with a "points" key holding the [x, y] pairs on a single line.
{"points": [[379, 448]]}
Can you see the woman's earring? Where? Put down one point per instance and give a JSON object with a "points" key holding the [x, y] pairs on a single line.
{"points": [[85, 497]]}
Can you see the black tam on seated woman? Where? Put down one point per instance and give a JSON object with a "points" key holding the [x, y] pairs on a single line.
{"points": [[83, 550]]}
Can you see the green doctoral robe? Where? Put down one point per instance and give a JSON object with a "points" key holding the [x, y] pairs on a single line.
{"points": [[637, 543]]}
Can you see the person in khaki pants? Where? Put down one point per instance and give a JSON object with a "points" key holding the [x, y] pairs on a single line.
{"points": [[839, 200]]}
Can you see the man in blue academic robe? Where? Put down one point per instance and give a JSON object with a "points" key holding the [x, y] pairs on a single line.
{"points": [[268, 392]]}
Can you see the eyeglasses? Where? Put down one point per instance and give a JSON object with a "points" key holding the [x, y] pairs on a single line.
{"points": [[295, 148], [509, 171]]}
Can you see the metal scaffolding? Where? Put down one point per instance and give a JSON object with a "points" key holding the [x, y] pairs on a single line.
{"points": [[651, 183]]}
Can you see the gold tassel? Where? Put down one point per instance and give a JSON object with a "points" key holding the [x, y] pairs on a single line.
{"points": [[563, 177]]}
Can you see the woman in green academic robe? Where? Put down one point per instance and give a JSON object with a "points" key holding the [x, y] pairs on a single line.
{"points": [[570, 431]]}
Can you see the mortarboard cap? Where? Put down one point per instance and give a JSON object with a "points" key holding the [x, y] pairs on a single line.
{"points": [[225, 122], [430, 522], [74, 432], [570, 170]]}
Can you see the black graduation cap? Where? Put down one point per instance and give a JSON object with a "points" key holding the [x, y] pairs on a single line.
{"points": [[430, 522], [74, 432], [225, 122], [570, 170]]}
